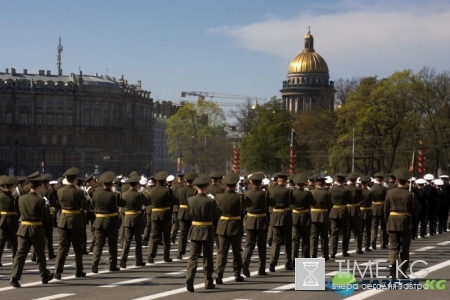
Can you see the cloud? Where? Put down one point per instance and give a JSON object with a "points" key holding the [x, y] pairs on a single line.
{"points": [[356, 40]]}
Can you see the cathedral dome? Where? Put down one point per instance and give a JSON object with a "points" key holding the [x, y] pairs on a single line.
{"points": [[308, 61]]}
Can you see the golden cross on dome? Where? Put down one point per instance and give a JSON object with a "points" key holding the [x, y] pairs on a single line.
{"points": [[309, 27]]}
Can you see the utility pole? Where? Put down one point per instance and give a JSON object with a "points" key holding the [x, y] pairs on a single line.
{"points": [[60, 50], [353, 151]]}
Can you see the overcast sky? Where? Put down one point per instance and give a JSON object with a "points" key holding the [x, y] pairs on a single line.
{"points": [[232, 47]]}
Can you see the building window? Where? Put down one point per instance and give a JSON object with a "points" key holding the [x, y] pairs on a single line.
{"points": [[39, 86], [69, 104], [49, 86], [39, 103], [105, 120], [87, 105], [96, 105], [69, 87], [86, 120], [49, 120], [59, 121], [24, 119], [44, 139], [112, 106], [38, 120], [70, 121], [49, 103], [97, 121], [106, 105], [8, 118], [60, 104], [128, 108], [60, 87], [9, 103], [54, 139]]}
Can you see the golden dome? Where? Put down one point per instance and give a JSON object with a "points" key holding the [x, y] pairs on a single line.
{"points": [[308, 60]]}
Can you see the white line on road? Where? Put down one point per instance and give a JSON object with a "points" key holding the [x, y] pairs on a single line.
{"points": [[177, 273], [443, 243], [55, 297], [281, 288], [126, 282], [426, 248]]}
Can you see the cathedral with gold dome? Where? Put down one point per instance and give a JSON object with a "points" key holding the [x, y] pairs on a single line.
{"points": [[308, 86]]}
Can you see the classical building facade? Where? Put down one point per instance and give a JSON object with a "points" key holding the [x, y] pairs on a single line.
{"points": [[308, 86], [52, 122]]}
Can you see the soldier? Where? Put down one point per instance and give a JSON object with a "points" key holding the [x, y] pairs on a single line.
{"points": [[430, 191], [273, 184], [441, 206], [256, 224], [26, 187], [70, 224], [301, 217], [90, 213], [320, 218], [391, 181], [204, 213], [400, 205], [107, 221], [148, 212], [134, 221], [378, 220], [175, 224], [446, 189], [21, 182], [281, 222], [30, 233], [422, 207], [161, 199], [184, 218], [9, 220], [312, 182], [216, 184], [366, 211], [340, 197], [355, 212]]}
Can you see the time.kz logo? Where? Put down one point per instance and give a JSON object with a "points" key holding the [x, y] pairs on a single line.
{"points": [[343, 284]]}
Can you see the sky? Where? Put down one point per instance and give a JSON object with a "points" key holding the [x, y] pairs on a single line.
{"points": [[236, 47]]}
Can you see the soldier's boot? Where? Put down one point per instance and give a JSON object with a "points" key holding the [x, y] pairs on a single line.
{"points": [[245, 270], [150, 259], [190, 285], [79, 274], [209, 284], [94, 268], [219, 279], [47, 278], [238, 278], [123, 263], [14, 282]]}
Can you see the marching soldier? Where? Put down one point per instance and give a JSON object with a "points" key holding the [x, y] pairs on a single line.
{"points": [[441, 206], [399, 206], [30, 233], [90, 214], [9, 220], [26, 187], [312, 182], [107, 221], [391, 181], [256, 224], [378, 220], [366, 211], [340, 197], [184, 218], [204, 213], [134, 221], [148, 212], [422, 202], [229, 228], [320, 218], [21, 182], [70, 224], [355, 212], [301, 217], [175, 224], [216, 184], [430, 191]]}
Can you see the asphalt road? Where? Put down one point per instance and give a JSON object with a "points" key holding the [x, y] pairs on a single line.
{"points": [[163, 280]]}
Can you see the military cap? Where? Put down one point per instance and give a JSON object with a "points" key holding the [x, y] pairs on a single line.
{"points": [[421, 181], [392, 175], [180, 175], [365, 179], [402, 174], [142, 181], [438, 182], [46, 177], [191, 175], [133, 173], [36, 179], [89, 177], [133, 179], [246, 180], [22, 178], [151, 178], [379, 175], [60, 179], [300, 178], [324, 179], [291, 177], [353, 175], [107, 177], [341, 175], [33, 175], [443, 176], [170, 178], [266, 181], [216, 174], [276, 175], [162, 175], [313, 178], [281, 175], [117, 180], [231, 178], [257, 176], [53, 182], [202, 180], [428, 177], [72, 172], [8, 180]]}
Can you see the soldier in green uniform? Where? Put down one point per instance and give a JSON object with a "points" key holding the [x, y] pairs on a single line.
{"points": [[134, 221], [379, 196], [216, 184], [229, 228], [184, 218], [148, 212], [355, 212], [312, 182], [320, 218], [399, 206], [256, 224], [26, 188], [161, 199], [301, 217], [9, 219], [175, 224], [391, 181], [90, 214], [340, 197], [107, 221], [366, 211], [30, 233], [70, 224], [204, 213]]}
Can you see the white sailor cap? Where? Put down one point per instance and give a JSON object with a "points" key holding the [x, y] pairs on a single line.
{"points": [[421, 181], [438, 182], [53, 182], [328, 180], [443, 176], [143, 181], [266, 181], [170, 178], [428, 177]]}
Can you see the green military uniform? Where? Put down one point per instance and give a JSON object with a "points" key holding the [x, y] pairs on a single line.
{"points": [[229, 227], [175, 224], [204, 213], [134, 222], [107, 221], [148, 218], [320, 219], [301, 217], [30, 233], [366, 212], [340, 197], [355, 212], [256, 226], [215, 188], [161, 199], [70, 225], [90, 213], [399, 206], [47, 221], [379, 196], [9, 219]]}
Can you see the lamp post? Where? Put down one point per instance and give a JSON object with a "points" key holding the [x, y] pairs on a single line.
{"points": [[16, 167]]}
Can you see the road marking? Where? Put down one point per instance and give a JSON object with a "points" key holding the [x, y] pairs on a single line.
{"points": [[177, 273], [126, 282], [281, 288], [55, 297], [443, 243], [426, 248], [37, 270]]}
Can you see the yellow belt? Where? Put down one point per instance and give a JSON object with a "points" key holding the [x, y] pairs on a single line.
{"points": [[281, 209], [66, 211], [399, 213], [183, 206], [235, 218], [319, 210], [256, 215], [378, 203], [8, 213], [197, 223], [133, 212], [366, 208], [353, 204], [301, 211], [160, 208], [31, 223], [107, 215], [339, 206]]}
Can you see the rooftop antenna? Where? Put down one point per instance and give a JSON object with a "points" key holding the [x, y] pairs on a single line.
{"points": [[60, 50]]}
